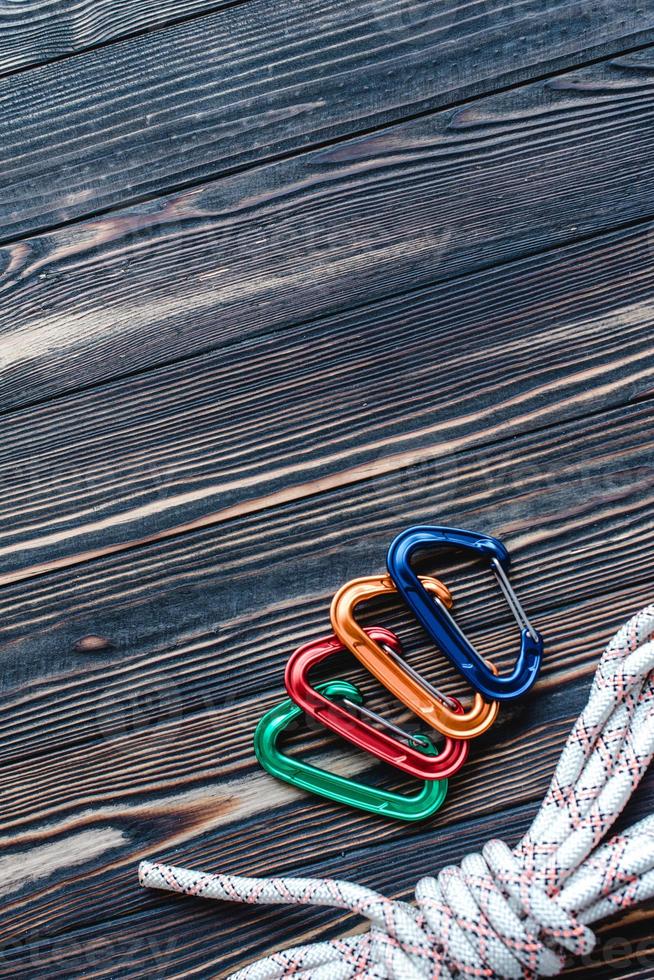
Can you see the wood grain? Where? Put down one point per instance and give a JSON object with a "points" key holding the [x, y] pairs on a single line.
{"points": [[334, 229], [330, 403], [293, 837], [259, 80], [37, 31], [143, 746], [208, 619], [293, 342], [155, 734], [188, 925]]}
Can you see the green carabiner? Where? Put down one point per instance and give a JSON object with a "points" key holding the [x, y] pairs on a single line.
{"points": [[333, 787]]}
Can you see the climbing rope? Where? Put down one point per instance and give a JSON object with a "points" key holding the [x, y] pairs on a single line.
{"points": [[501, 913]]}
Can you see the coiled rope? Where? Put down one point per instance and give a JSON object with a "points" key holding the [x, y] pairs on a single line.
{"points": [[502, 913]]}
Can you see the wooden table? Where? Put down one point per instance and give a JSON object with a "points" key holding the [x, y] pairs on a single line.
{"points": [[278, 280]]}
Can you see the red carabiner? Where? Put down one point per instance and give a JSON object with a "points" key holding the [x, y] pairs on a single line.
{"points": [[357, 731]]}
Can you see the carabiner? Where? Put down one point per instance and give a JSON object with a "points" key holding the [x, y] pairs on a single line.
{"points": [[441, 626], [409, 757], [327, 784], [396, 675]]}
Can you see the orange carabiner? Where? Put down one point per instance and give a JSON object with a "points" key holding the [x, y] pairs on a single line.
{"points": [[400, 679]]}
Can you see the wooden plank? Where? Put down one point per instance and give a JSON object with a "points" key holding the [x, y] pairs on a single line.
{"points": [[332, 402], [173, 937], [566, 502], [131, 683], [189, 923], [259, 80], [142, 747], [331, 230], [303, 836], [38, 31]]}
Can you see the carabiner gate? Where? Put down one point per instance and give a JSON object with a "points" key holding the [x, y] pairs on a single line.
{"points": [[441, 626], [333, 787]]}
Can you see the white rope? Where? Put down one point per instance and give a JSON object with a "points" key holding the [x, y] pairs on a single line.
{"points": [[502, 913]]}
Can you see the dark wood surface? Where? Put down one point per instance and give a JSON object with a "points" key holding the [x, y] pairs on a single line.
{"points": [[258, 81], [281, 245], [277, 281]]}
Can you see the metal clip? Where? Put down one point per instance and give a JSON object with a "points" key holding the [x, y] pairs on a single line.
{"points": [[331, 786], [442, 627], [394, 673], [412, 754]]}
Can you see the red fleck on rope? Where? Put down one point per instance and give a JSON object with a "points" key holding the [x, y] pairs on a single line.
{"points": [[501, 913]]}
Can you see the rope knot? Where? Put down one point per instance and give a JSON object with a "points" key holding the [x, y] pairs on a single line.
{"points": [[490, 917]]}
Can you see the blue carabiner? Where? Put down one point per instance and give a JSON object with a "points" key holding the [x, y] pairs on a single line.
{"points": [[440, 624]]}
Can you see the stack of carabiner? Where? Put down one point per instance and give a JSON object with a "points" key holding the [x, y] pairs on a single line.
{"points": [[338, 704]]}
